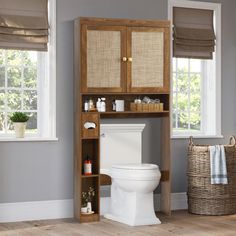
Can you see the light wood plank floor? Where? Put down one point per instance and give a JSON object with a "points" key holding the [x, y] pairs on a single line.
{"points": [[180, 223]]}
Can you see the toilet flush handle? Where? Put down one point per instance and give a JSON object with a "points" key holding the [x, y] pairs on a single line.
{"points": [[103, 135]]}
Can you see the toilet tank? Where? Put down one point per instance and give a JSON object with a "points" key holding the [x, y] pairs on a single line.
{"points": [[120, 144]]}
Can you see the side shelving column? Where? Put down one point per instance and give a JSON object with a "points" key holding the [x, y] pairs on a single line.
{"points": [[86, 142], [90, 143]]}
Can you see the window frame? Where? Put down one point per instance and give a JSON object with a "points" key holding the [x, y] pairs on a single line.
{"points": [[216, 7], [46, 123]]}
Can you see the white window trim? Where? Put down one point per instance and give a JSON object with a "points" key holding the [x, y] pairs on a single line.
{"points": [[48, 131], [51, 90], [216, 7]]}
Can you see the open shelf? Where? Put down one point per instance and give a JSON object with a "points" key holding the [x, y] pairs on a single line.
{"points": [[128, 99], [90, 147], [94, 183], [90, 176]]}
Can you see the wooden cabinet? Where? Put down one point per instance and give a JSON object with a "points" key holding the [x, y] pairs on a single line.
{"points": [[118, 59], [124, 58]]}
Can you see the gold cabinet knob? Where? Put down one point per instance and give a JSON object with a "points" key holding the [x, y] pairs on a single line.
{"points": [[130, 59], [124, 59]]}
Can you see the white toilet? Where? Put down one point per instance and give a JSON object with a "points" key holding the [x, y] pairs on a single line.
{"points": [[133, 183]]}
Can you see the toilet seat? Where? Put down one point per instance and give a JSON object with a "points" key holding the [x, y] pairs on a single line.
{"points": [[137, 172], [136, 166]]}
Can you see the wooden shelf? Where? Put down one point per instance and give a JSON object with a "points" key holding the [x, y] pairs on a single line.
{"points": [[123, 94], [84, 138], [90, 176], [89, 218], [132, 114], [128, 112]]}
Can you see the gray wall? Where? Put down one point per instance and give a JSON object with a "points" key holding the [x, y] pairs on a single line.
{"points": [[33, 171]]}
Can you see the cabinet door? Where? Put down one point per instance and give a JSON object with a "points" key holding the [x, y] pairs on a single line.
{"points": [[148, 59], [102, 50]]}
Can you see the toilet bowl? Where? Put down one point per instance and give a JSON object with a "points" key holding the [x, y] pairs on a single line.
{"points": [[133, 182], [132, 194], [142, 178]]}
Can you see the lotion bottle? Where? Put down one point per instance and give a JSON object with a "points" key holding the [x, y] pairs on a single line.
{"points": [[86, 105], [98, 105], [87, 166]]}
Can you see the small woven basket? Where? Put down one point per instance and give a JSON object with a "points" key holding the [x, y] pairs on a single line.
{"points": [[205, 198]]}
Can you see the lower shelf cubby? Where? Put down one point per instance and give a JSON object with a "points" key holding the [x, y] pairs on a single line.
{"points": [[87, 182]]}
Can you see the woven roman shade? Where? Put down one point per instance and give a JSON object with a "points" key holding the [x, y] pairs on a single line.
{"points": [[24, 24], [194, 35]]}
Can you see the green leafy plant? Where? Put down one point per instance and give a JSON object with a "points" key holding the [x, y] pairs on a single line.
{"points": [[19, 117], [87, 196]]}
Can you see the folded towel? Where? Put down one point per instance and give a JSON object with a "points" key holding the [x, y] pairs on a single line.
{"points": [[218, 165]]}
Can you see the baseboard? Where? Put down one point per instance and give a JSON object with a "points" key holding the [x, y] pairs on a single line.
{"points": [[37, 210], [57, 209], [179, 201]]}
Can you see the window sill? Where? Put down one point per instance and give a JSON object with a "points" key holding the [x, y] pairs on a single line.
{"points": [[196, 136], [27, 139]]}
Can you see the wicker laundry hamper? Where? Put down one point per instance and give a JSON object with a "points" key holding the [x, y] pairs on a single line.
{"points": [[205, 198]]}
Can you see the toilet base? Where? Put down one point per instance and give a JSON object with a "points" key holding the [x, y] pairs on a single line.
{"points": [[131, 208], [139, 222]]}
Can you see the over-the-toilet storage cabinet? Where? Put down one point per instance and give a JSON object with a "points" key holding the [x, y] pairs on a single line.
{"points": [[119, 59]]}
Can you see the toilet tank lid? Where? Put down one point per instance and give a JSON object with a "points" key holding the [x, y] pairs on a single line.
{"points": [[141, 166]]}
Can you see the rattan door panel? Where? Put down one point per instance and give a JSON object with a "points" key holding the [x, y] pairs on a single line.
{"points": [[148, 53], [103, 70]]}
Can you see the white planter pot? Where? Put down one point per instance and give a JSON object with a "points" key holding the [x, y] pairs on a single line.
{"points": [[19, 129]]}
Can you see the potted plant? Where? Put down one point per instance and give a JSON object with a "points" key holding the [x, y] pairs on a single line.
{"points": [[19, 120], [87, 198]]}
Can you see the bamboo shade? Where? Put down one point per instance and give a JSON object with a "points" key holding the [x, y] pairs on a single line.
{"points": [[194, 35], [147, 59], [24, 24], [103, 59]]}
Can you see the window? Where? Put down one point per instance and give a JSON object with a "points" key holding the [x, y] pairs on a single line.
{"points": [[27, 84], [18, 87], [196, 93]]}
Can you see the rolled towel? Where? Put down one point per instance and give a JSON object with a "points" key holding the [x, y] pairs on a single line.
{"points": [[218, 165]]}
